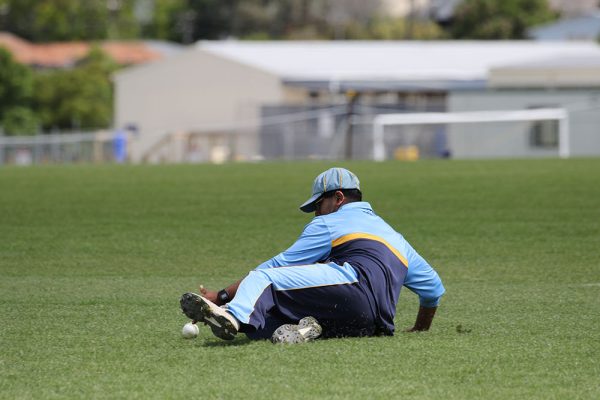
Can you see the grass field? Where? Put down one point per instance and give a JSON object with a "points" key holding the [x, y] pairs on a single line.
{"points": [[93, 261]]}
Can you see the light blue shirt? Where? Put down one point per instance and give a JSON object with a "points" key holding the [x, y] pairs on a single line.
{"points": [[358, 218]]}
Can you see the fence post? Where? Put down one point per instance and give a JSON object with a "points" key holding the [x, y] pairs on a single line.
{"points": [[55, 140], [37, 145], [564, 137], [1, 146]]}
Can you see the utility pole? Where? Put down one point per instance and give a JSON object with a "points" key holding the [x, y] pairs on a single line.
{"points": [[352, 98], [410, 21]]}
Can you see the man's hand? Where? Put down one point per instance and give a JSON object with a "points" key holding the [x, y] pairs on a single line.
{"points": [[213, 295], [424, 319], [210, 295]]}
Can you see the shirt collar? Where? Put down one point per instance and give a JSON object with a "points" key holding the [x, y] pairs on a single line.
{"points": [[356, 204]]}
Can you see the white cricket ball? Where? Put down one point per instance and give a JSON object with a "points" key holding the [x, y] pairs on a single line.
{"points": [[189, 331]]}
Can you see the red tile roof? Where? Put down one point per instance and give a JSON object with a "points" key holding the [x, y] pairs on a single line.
{"points": [[130, 52], [21, 49], [65, 54]]}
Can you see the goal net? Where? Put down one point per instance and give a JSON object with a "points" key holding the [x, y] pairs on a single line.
{"points": [[543, 131]]}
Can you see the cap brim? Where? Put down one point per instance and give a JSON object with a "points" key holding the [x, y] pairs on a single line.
{"points": [[309, 205]]}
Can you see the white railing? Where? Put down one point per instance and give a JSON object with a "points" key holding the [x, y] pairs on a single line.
{"points": [[383, 120]]}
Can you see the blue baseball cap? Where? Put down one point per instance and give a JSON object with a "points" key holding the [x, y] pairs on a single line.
{"points": [[332, 179]]}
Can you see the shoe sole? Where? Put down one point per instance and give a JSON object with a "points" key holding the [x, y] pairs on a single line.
{"points": [[308, 329], [197, 309]]}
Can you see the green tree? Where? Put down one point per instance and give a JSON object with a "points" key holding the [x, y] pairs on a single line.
{"points": [[20, 121], [16, 87], [16, 82], [492, 19], [163, 20], [207, 19], [395, 29], [187, 21], [81, 98], [65, 20]]}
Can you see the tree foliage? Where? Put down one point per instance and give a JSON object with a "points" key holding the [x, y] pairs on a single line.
{"points": [[506, 19], [19, 121], [187, 21], [190, 20], [81, 98], [162, 22], [394, 29], [57, 20], [15, 82], [16, 88]]}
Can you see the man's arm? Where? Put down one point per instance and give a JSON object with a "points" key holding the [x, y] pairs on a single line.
{"points": [[424, 319], [423, 280], [313, 245], [213, 295]]}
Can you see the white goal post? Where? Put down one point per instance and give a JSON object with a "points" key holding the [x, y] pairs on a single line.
{"points": [[540, 114]]}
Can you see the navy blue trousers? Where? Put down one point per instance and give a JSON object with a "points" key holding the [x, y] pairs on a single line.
{"points": [[335, 295]]}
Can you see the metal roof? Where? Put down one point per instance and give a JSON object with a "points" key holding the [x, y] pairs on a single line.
{"points": [[437, 64]]}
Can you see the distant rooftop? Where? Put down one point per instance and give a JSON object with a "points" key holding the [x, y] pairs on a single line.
{"points": [[437, 65], [66, 54], [585, 27]]}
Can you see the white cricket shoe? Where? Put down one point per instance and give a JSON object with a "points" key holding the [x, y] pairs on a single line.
{"points": [[222, 323], [307, 329]]}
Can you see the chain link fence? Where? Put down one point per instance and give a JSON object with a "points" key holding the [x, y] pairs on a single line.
{"points": [[65, 148], [283, 132], [339, 132]]}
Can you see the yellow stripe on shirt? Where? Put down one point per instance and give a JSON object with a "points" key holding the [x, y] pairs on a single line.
{"points": [[354, 236]]}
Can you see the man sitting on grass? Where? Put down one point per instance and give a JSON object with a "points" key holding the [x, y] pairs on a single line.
{"points": [[341, 278]]}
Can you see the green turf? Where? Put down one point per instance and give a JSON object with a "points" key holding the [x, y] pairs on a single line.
{"points": [[93, 261]]}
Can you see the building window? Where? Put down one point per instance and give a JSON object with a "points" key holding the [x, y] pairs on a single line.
{"points": [[544, 134]]}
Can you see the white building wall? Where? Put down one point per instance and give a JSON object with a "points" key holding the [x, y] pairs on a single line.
{"points": [[496, 139], [195, 91]]}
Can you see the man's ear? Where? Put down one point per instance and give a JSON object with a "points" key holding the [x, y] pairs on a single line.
{"points": [[339, 197]]}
